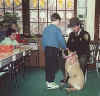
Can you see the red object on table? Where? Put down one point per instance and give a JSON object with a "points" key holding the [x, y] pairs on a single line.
{"points": [[6, 48], [18, 38]]}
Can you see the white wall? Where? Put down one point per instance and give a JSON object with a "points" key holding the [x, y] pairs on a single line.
{"points": [[90, 21]]}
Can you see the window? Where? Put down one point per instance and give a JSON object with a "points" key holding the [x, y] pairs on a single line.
{"points": [[82, 11], [14, 8], [41, 10]]}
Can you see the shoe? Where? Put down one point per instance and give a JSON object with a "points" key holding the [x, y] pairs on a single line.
{"points": [[64, 80], [52, 85], [62, 83]]}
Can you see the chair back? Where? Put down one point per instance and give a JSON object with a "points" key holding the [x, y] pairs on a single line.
{"points": [[94, 48]]}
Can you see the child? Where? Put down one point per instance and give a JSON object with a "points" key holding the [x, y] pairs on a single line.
{"points": [[73, 70], [52, 40]]}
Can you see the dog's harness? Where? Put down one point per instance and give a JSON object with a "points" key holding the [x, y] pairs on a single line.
{"points": [[71, 59], [66, 57], [70, 56]]}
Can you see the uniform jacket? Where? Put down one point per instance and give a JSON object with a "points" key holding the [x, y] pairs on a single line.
{"points": [[80, 43]]}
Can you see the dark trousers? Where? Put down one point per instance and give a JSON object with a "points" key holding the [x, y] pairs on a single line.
{"points": [[61, 62], [83, 60], [51, 54]]}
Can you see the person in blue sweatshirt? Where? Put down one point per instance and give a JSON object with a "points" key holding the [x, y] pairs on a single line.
{"points": [[52, 40]]}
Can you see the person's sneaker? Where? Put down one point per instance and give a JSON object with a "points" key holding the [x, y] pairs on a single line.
{"points": [[62, 83], [52, 85], [64, 80]]}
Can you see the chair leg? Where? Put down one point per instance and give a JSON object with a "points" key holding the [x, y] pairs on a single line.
{"points": [[97, 67], [85, 76]]}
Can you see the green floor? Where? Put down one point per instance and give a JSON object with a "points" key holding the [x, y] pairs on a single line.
{"points": [[33, 84]]}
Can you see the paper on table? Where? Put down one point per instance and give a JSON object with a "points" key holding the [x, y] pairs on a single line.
{"points": [[0, 65], [14, 58], [24, 53]]}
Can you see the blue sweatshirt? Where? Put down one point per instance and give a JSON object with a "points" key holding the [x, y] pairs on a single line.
{"points": [[52, 37]]}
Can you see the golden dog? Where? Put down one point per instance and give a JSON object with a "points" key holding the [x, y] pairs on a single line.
{"points": [[73, 70]]}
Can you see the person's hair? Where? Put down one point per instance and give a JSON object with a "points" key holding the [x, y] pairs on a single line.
{"points": [[10, 31], [74, 22], [55, 16]]}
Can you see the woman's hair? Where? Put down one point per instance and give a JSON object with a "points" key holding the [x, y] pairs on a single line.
{"points": [[10, 31], [55, 16]]}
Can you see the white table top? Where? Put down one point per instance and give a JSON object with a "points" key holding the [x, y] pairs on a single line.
{"points": [[16, 54]]}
